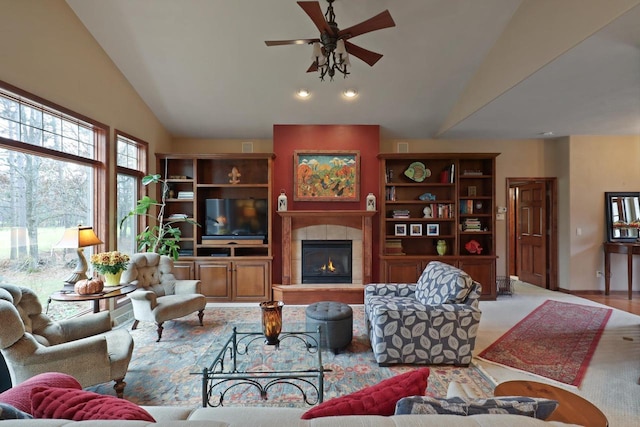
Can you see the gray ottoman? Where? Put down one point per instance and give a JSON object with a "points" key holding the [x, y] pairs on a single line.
{"points": [[336, 323]]}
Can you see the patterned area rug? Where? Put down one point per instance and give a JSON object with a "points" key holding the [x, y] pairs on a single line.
{"points": [[160, 373], [555, 341]]}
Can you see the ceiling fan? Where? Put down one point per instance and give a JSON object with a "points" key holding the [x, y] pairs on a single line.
{"points": [[331, 51]]}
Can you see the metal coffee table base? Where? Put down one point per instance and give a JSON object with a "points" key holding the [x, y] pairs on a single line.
{"points": [[225, 373]]}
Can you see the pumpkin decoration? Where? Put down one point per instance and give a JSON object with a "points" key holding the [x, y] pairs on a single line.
{"points": [[88, 286]]}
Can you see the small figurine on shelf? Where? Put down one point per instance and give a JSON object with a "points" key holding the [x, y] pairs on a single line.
{"points": [[473, 247], [234, 175], [427, 212]]}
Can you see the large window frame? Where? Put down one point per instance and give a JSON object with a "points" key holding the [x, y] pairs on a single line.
{"points": [[93, 153], [135, 167]]}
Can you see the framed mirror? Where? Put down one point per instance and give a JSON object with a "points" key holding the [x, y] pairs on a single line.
{"points": [[622, 212]]}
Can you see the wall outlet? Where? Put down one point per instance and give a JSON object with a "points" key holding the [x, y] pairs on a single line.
{"points": [[598, 273]]}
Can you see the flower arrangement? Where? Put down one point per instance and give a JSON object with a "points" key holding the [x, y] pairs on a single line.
{"points": [[109, 262]]}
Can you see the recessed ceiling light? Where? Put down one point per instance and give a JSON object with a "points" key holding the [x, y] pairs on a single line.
{"points": [[546, 134], [303, 93], [350, 93]]}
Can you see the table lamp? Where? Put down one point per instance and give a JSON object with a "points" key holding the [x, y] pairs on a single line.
{"points": [[78, 237]]}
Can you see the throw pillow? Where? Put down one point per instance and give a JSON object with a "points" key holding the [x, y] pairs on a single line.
{"points": [[527, 406], [379, 399], [8, 412], [79, 405], [19, 396]]}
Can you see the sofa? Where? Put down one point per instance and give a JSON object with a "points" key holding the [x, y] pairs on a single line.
{"points": [[54, 398], [433, 321], [288, 417]]}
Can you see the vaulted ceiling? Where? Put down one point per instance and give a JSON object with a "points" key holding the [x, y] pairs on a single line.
{"points": [[451, 68]]}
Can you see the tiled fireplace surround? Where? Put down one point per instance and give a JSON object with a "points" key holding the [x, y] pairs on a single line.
{"points": [[354, 225]]}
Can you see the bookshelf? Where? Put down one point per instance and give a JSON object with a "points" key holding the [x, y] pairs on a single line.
{"points": [[438, 203]]}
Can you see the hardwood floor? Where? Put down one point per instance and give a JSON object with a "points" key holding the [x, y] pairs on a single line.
{"points": [[619, 301]]}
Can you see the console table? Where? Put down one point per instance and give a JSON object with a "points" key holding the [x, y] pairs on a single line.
{"points": [[630, 249]]}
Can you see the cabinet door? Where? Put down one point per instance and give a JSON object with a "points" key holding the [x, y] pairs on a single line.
{"points": [[482, 271], [401, 271], [251, 280], [215, 278], [184, 270]]}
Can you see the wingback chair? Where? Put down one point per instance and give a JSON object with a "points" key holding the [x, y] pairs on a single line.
{"points": [[160, 296], [85, 347], [433, 321]]}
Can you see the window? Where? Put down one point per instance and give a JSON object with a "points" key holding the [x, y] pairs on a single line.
{"points": [[51, 170], [131, 155]]}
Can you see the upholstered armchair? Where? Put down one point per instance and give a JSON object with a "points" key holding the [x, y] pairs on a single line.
{"points": [[160, 296], [434, 321], [85, 347]]}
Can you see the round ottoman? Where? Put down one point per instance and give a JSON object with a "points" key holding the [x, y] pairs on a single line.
{"points": [[336, 323]]}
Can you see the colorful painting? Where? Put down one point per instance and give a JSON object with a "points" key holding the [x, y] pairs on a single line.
{"points": [[330, 176]]}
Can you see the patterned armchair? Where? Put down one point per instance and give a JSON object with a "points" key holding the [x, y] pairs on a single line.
{"points": [[434, 321]]}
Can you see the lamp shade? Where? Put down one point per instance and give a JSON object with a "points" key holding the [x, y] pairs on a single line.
{"points": [[78, 237]]}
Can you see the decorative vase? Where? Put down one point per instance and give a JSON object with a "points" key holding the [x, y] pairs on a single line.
{"points": [[112, 279], [441, 247], [272, 321], [282, 201], [371, 202]]}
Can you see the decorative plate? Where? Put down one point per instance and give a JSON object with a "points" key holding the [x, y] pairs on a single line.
{"points": [[417, 172]]}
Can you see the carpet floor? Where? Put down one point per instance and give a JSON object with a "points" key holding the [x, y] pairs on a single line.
{"points": [[555, 341], [161, 373]]}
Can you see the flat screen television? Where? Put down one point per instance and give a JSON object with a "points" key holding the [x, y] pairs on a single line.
{"points": [[236, 219]]}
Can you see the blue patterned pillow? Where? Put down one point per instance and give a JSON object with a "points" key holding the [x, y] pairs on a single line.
{"points": [[8, 412], [517, 405], [442, 283]]}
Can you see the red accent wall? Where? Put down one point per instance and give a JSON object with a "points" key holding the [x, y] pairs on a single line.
{"points": [[288, 138]]}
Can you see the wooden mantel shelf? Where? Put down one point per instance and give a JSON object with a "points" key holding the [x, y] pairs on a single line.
{"points": [[294, 219]]}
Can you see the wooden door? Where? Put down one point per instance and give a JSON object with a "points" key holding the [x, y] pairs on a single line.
{"points": [[531, 233]]}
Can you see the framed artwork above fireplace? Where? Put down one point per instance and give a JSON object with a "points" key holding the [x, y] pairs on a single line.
{"points": [[326, 176]]}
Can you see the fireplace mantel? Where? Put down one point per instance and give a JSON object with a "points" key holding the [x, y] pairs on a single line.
{"points": [[292, 220]]}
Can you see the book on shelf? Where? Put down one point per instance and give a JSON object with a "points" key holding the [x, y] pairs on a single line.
{"points": [[391, 193], [466, 206], [471, 224], [178, 216], [394, 247], [401, 213], [185, 194]]}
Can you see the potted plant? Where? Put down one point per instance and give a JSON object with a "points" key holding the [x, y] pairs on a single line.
{"points": [[110, 265], [162, 237]]}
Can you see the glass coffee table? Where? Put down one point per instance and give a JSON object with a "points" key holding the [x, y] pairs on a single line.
{"points": [[241, 366]]}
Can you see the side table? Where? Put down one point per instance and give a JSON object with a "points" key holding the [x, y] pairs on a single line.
{"points": [[571, 409], [108, 292]]}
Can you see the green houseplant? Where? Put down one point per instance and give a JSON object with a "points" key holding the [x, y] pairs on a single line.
{"points": [[161, 237]]}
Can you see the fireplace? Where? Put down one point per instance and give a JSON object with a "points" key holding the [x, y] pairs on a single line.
{"points": [[327, 261]]}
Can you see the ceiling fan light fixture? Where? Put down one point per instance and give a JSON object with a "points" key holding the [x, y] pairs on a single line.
{"points": [[332, 49]]}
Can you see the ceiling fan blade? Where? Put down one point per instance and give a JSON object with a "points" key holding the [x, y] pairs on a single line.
{"points": [[366, 55], [285, 42], [378, 22], [312, 8], [313, 68]]}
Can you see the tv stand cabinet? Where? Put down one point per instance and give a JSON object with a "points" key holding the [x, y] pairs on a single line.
{"points": [[229, 270]]}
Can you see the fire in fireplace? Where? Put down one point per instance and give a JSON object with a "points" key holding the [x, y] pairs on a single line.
{"points": [[326, 261]]}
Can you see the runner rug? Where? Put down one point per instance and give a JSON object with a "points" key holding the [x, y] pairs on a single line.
{"points": [[161, 373], [555, 341]]}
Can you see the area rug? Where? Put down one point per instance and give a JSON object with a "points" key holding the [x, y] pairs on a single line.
{"points": [[162, 373], [555, 341]]}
